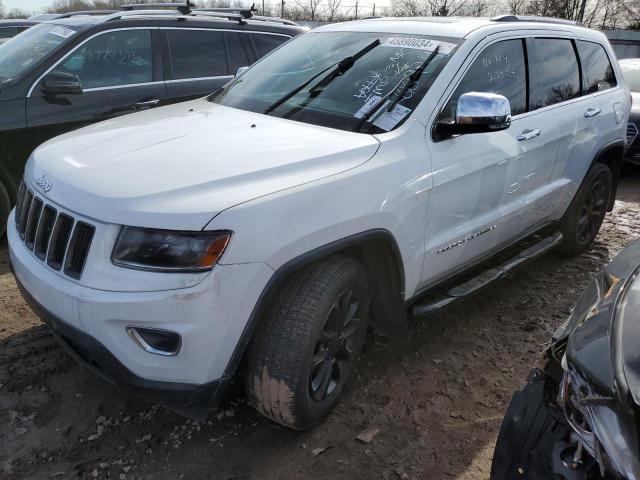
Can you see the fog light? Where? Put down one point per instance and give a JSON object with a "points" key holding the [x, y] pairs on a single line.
{"points": [[160, 342]]}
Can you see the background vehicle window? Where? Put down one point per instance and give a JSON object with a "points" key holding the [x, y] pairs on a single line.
{"points": [[8, 32], [113, 59], [237, 54], [265, 43], [555, 72], [197, 54], [596, 66], [500, 69]]}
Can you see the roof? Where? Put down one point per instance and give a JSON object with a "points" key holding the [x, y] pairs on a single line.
{"points": [[455, 27]]}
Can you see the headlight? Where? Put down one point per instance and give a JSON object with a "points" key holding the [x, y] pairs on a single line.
{"points": [[169, 250]]}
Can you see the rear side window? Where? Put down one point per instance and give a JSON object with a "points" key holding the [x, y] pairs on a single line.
{"points": [[196, 54], [8, 32], [500, 69], [113, 59], [598, 72], [555, 72], [237, 53], [265, 43]]}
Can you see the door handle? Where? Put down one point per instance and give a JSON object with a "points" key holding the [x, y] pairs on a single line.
{"points": [[592, 112], [147, 103], [529, 134]]}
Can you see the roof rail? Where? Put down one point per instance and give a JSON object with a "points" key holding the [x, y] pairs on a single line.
{"points": [[245, 12], [83, 13], [533, 18], [184, 7]]}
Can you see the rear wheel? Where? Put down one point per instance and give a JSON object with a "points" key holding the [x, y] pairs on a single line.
{"points": [[583, 220], [308, 343], [5, 208]]}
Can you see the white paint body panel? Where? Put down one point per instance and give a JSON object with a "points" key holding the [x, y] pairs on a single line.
{"points": [[285, 188]]}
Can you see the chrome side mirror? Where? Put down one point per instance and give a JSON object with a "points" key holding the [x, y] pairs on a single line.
{"points": [[479, 112], [240, 71]]}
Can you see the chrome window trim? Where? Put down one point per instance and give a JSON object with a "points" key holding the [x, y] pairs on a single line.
{"points": [[226, 30], [115, 87], [198, 79], [70, 52]]}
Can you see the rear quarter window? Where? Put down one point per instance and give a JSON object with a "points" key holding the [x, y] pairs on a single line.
{"points": [[597, 68], [555, 72]]}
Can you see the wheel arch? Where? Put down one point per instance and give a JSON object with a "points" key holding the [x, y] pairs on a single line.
{"points": [[378, 252], [611, 155]]}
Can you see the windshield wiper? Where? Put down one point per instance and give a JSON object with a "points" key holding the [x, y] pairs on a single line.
{"points": [[339, 68], [411, 79]]}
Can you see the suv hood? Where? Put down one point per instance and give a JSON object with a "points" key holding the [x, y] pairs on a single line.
{"points": [[179, 166]]}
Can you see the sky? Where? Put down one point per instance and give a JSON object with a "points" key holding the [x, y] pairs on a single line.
{"points": [[34, 5]]}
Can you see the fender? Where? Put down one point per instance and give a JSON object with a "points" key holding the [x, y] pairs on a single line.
{"points": [[387, 308], [614, 163]]}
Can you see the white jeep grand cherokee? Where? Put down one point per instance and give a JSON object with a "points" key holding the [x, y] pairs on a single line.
{"points": [[361, 170]]}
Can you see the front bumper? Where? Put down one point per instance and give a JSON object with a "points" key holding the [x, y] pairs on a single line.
{"points": [[91, 323]]}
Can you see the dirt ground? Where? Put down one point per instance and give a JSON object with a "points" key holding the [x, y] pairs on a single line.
{"points": [[437, 402]]}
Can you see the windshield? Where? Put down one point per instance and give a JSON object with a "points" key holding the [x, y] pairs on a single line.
{"points": [[23, 51], [631, 73], [337, 93]]}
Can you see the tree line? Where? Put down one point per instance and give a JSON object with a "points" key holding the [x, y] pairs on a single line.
{"points": [[593, 13]]}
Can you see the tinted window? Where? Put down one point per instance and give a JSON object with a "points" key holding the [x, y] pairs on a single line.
{"points": [[555, 72], [197, 53], [8, 32], [596, 66], [265, 43], [237, 54], [500, 69], [113, 59]]}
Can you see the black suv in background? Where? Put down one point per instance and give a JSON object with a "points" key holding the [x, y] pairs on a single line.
{"points": [[11, 28], [69, 72]]}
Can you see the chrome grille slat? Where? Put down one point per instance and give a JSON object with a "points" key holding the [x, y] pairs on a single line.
{"points": [[55, 238]]}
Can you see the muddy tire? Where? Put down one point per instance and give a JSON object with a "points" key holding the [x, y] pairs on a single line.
{"points": [[583, 220], [5, 208], [308, 343]]}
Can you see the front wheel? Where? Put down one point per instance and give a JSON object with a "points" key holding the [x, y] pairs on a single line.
{"points": [[583, 220], [308, 343]]}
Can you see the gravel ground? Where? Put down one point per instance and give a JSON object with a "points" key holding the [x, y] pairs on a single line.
{"points": [[435, 403]]}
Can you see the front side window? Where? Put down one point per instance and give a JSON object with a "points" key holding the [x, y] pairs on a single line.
{"points": [[596, 66], [265, 43], [555, 72], [111, 59], [499, 69], [237, 53], [197, 54], [22, 52], [311, 79]]}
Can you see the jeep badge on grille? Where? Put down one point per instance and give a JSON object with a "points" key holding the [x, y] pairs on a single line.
{"points": [[43, 183]]}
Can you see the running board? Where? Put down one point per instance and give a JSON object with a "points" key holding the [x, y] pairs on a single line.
{"points": [[438, 300]]}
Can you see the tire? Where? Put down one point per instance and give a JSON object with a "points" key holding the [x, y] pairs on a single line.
{"points": [[582, 221], [5, 209], [308, 343], [527, 435]]}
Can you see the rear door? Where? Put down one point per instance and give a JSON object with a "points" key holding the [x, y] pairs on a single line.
{"points": [[200, 61], [120, 73]]}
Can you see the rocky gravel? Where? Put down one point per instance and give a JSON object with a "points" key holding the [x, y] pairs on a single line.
{"points": [[427, 409]]}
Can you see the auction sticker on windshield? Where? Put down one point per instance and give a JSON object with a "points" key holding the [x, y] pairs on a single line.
{"points": [[62, 32], [419, 44]]}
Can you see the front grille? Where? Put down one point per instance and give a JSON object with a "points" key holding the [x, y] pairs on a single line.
{"points": [[632, 133], [55, 238]]}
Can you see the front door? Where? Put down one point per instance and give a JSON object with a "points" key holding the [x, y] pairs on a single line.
{"points": [[465, 219], [116, 70]]}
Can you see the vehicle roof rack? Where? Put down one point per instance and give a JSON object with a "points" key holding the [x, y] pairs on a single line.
{"points": [[185, 7], [533, 18], [245, 12]]}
